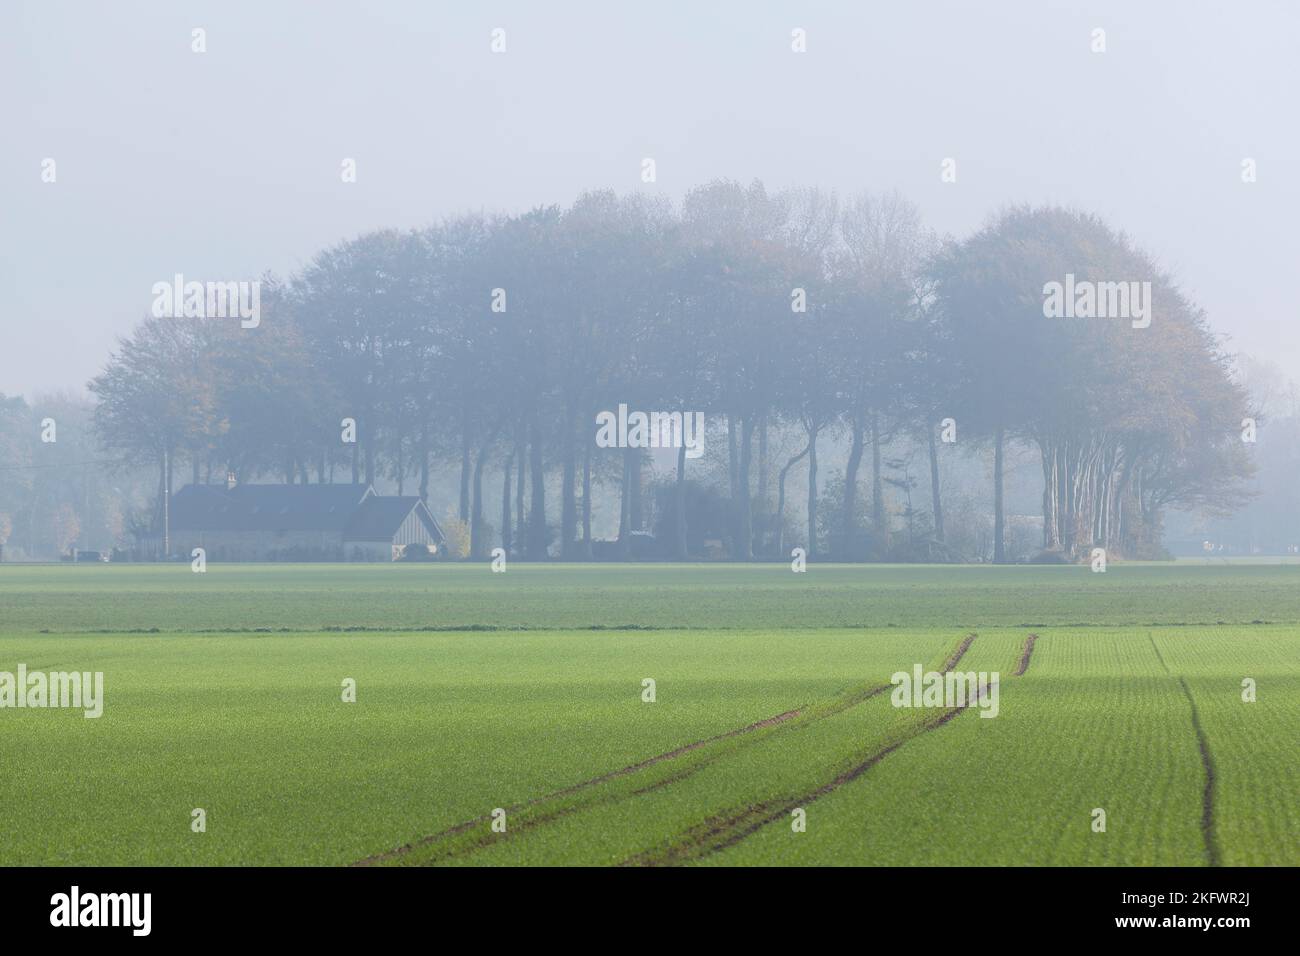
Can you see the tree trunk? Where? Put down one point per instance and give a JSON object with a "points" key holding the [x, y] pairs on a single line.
{"points": [[399, 463], [506, 469], [733, 470], [877, 485], [733, 485], [520, 525], [636, 510], [999, 547], [625, 507], [167, 504], [679, 505], [761, 499], [424, 463], [1064, 509], [370, 451], [568, 489], [586, 497], [537, 515], [936, 498], [1048, 517], [780, 500], [849, 518], [464, 466], [477, 530], [812, 492], [745, 530]]}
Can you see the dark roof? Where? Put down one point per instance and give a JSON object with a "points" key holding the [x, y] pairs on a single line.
{"points": [[266, 507], [379, 518]]}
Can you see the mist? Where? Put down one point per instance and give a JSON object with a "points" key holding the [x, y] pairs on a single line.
{"points": [[227, 163]]}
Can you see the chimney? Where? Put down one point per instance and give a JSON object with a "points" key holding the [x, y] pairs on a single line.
{"points": [[230, 480]]}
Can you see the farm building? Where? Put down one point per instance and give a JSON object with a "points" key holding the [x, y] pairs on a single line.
{"points": [[298, 523]]}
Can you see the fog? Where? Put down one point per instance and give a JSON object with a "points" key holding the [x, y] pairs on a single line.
{"points": [[226, 164]]}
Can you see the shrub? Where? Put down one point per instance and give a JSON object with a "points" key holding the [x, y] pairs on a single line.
{"points": [[416, 552], [457, 534]]}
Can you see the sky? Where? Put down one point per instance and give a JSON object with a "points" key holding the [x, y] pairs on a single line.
{"points": [[224, 164]]}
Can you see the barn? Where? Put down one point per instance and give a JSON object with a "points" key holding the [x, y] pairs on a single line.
{"points": [[297, 523]]}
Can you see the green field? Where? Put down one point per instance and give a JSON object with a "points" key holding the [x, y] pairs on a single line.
{"points": [[700, 596], [523, 691]]}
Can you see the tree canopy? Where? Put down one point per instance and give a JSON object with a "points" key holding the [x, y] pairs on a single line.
{"points": [[493, 342]]}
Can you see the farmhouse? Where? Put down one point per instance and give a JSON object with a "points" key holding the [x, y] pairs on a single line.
{"points": [[298, 523]]}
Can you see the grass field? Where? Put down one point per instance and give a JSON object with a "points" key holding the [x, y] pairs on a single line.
{"points": [[523, 691]]}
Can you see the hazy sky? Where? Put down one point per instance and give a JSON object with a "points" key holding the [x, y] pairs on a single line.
{"points": [[224, 164]]}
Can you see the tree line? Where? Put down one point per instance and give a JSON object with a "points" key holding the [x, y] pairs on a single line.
{"points": [[495, 341]]}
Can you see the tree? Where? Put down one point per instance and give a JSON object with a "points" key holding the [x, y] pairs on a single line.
{"points": [[745, 293], [791, 321], [875, 268], [1112, 408], [155, 397]]}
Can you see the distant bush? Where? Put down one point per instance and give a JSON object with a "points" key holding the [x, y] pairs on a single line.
{"points": [[641, 546], [1051, 556], [417, 552], [928, 550], [457, 535]]}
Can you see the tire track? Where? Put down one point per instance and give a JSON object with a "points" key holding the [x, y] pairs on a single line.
{"points": [[1207, 794], [578, 787], [847, 702], [1024, 658], [1212, 855], [724, 831]]}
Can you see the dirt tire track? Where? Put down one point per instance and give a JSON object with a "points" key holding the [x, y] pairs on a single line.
{"points": [[459, 828], [1207, 763], [1207, 794], [848, 702], [1024, 658], [736, 827], [955, 657]]}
